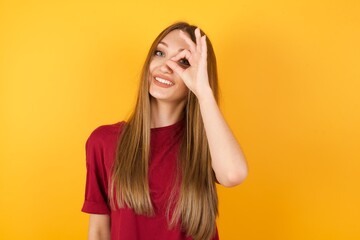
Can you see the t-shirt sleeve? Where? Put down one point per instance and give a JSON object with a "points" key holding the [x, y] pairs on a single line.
{"points": [[96, 189]]}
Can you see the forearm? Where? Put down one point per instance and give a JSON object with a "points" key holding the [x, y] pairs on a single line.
{"points": [[99, 227], [99, 236], [228, 160]]}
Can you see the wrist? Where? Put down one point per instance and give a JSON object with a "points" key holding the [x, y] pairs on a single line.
{"points": [[205, 95]]}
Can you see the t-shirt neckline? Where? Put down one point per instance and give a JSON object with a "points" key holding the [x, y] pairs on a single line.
{"points": [[169, 127]]}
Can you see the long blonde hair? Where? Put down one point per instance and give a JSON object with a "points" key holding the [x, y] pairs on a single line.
{"points": [[196, 205]]}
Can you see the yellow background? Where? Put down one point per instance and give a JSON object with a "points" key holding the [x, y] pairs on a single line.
{"points": [[289, 78]]}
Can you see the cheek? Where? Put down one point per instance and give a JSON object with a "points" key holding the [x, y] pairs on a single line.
{"points": [[154, 63], [183, 89], [152, 66]]}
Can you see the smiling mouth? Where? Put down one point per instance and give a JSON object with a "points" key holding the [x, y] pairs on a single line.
{"points": [[164, 81]]}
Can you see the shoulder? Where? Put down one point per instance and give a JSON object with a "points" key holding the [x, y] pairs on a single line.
{"points": [[104, 134]]}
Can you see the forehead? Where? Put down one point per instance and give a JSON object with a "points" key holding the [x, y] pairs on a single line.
{"points": [[173, 40]]}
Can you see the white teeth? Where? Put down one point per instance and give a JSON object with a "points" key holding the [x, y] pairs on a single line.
{"points": [[164, 81]]}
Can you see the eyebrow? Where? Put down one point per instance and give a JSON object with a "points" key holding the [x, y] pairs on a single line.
{"points": [[168, 46]]}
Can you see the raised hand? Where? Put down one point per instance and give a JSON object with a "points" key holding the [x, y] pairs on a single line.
{"points": [[194, 76]]}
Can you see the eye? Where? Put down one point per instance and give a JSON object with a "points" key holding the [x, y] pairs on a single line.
{"points": [[184, 61], [158, 53]]}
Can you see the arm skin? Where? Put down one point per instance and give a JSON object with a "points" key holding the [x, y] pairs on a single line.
{"points": [[99, 227], [228, 160]]}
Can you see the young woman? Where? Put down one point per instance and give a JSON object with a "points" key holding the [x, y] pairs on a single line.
{"points": [[153, 176]]}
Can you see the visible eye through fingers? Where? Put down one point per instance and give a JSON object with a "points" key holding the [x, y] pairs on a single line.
{"points": [[184, 62]]}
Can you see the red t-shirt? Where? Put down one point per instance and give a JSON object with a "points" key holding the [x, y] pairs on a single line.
{"points": [[125, 224]]}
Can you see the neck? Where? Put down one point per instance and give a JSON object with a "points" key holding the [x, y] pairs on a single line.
{"points": [[165, 113]]}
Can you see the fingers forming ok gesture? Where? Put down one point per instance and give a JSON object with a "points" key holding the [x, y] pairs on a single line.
{"points": [[195, 76]]}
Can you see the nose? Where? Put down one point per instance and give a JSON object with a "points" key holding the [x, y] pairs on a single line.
{"points": [[165, 68]]}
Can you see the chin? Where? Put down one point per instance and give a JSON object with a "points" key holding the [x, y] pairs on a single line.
{"points": [[158, 96]]}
